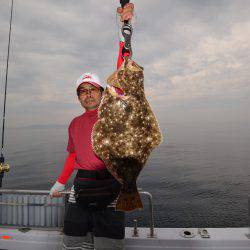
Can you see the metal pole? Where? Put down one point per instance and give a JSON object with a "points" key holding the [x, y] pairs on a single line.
{"points": [[67, 192], [5, 93], [151, 221], [6, 80], [35, 192]]}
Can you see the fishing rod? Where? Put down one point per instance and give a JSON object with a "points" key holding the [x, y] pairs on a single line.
{"points": [[5, 167], [127, 31]]}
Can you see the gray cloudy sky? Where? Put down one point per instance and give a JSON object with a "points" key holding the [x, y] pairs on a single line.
{"points": [[195, 55]]}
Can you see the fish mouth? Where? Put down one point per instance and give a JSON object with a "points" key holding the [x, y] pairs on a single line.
{"points": [[116, 91]]}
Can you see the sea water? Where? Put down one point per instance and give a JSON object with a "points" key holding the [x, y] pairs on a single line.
{"points": [[199, 176]]}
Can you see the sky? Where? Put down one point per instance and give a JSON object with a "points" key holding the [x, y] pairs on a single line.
{"points": [[195, 56]]}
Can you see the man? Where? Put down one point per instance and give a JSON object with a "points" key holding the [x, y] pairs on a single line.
{"points": [[85, 228]]}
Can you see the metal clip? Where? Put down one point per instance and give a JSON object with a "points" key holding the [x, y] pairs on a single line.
{"points": [[127, 31], [135, 230]]}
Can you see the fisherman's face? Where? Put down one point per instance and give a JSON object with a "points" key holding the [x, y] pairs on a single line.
{"points": [[89, 96]]}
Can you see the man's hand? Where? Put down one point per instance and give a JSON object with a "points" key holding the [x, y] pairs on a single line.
{"points": [[56, 194], [127, 12], [56, 189]]}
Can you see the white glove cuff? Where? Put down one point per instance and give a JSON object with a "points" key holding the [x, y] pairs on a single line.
{"points": [[57, 187]]}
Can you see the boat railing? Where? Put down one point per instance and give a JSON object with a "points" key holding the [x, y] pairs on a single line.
{"points": [[35, 208]]}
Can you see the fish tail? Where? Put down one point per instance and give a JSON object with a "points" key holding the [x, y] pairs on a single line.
{"points": [[128, 201]]}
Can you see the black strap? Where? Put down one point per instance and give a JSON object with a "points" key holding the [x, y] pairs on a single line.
{"points": [[99, 175]]}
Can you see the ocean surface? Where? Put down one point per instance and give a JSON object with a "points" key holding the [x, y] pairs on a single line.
{"points": [[199, 176]]}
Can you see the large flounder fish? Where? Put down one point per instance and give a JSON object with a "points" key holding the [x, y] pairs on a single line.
{"points": [[126, 131]]}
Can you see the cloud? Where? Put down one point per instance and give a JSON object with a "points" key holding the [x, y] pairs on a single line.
{"points": [[192, 52], [210, 68]]}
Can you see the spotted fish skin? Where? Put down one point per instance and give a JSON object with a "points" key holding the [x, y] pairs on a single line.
{"points": [[126, 131]]}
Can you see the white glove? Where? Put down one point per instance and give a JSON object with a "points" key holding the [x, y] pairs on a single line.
{"points": [[57, 187]]}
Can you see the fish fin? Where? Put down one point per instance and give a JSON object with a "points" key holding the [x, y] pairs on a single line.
{"points": [[129, 201]]}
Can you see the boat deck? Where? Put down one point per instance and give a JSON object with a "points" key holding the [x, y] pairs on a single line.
{"points": [[165, 238], [30, 219]]}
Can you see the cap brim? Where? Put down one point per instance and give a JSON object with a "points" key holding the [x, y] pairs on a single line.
{"points": [[92, 83]]}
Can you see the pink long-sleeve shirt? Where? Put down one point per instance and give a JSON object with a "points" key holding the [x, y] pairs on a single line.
{"points": [[81, 154]]}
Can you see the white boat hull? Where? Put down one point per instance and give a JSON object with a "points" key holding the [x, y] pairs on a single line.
{"points": [[166, 238]]}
